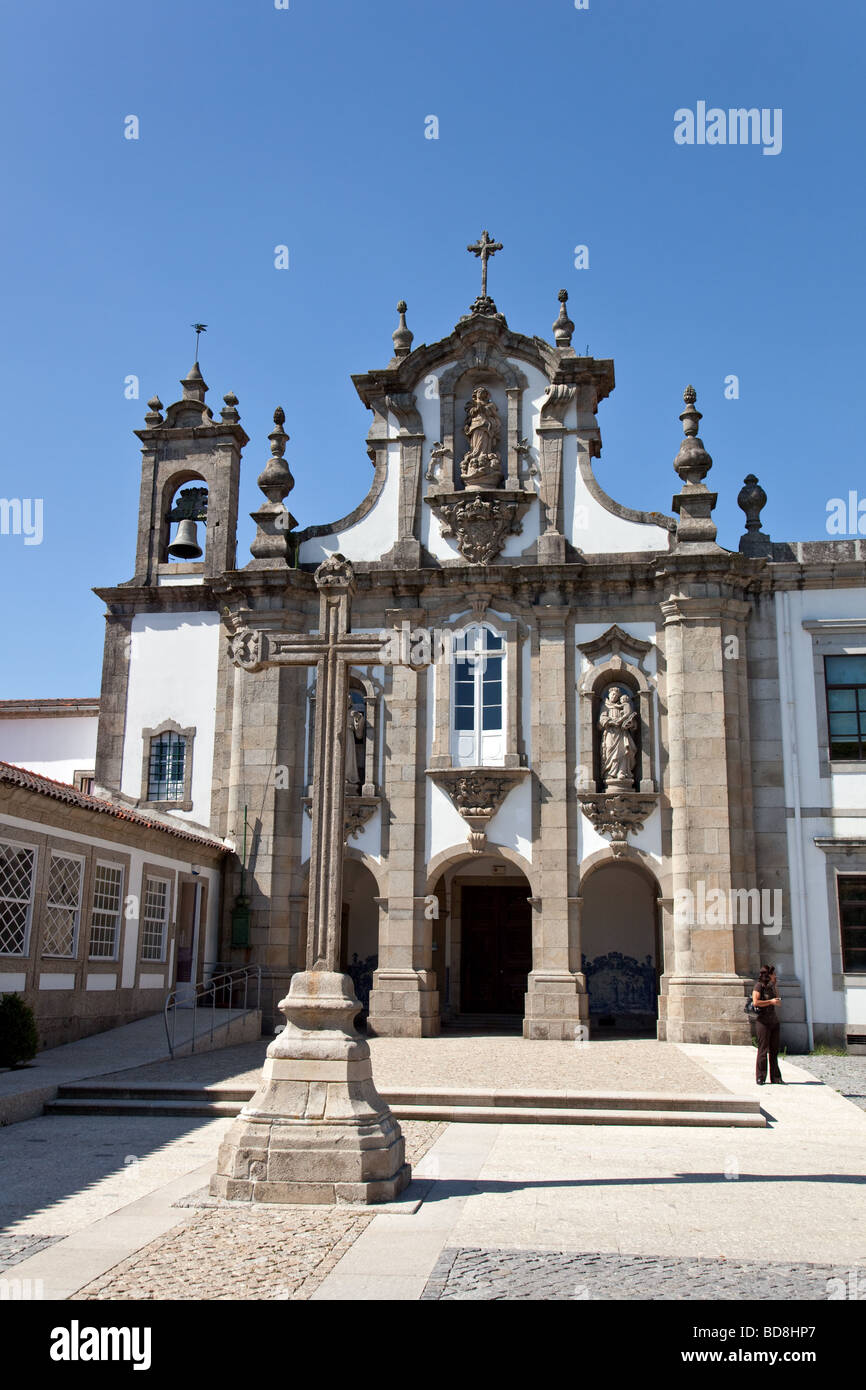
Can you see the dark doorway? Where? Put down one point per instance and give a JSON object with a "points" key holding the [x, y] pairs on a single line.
{"points": [[495, 949]]}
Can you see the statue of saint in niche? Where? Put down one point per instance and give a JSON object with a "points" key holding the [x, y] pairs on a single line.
{"points": [[356, 759], [481, 465], [617, 722]]}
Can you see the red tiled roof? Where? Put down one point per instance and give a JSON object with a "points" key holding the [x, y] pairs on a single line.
{"points": [[84, 705], [62, 791]]}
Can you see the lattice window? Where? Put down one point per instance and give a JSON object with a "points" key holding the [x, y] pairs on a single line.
{"points": [[165, 779], [154, 919], [105, 912], [62, 905], [17, 866]]}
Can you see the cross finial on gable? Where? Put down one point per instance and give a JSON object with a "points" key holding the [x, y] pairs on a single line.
{"points": [[485, 247]]}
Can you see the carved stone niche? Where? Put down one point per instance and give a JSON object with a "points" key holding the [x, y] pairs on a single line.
{"points": [[619, 806], [477, 793], [475, 467], [362, 803]]}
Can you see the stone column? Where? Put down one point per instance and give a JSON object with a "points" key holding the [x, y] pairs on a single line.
{"points": [[556, 1001], [703, 995], [404, 1000], [316, 1129]]}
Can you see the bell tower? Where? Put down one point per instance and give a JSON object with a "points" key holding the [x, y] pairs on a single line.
{"points": [[190, 472]]}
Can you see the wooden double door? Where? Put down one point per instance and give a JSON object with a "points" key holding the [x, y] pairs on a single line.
{"points": [[495, 949]]}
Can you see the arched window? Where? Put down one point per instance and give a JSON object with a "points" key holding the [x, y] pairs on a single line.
{"points": [[478, 698]]}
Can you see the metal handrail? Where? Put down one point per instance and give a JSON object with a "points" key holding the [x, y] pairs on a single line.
{"points": [[220, 981]]}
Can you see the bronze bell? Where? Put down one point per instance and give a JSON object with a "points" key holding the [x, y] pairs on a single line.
{"points": [[185, 545]]}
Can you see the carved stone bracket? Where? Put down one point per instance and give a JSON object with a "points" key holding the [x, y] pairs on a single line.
{"points": [[618, 814], [480, 521], [477, 793], [357, 810]]}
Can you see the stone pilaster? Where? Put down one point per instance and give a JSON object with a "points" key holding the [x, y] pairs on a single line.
{"points": [[702, 992], [556, 1001], [404, 1000]]}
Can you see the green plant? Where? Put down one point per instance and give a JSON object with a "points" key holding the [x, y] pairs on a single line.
{"points": [[18, 1037], [825, 1050]]}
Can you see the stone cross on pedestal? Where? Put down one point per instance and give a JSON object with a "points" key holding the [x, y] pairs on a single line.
{"points": [[317, 1130], [485, 247]]}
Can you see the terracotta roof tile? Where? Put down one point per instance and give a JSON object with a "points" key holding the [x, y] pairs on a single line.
{"points": [[62, 791]]}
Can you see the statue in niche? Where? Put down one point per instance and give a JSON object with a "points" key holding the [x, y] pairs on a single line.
{"points": [[356, 754], [617, 722], [481, 465]]}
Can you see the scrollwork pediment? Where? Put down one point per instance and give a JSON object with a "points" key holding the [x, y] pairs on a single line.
{"points": [[614, 642]]}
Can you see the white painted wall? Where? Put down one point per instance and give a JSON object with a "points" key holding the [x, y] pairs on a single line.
{"points": [[51, 746], [173, 675], [370, 537], [840, 792]]}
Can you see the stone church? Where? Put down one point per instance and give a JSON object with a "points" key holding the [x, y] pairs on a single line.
{"points": [[624, 766]]}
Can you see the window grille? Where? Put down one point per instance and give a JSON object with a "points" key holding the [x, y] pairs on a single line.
{"points": [[105, 913], [62, 906], [166, 767], [17, 865]]}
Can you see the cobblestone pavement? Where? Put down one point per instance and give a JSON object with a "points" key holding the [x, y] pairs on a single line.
{"points": [[847, 1075], [233, 1250], [634, 1064], [15, 1248], [559, 1276]]}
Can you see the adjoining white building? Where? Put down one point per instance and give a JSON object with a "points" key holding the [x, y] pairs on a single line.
{"points": [[634, 768]]}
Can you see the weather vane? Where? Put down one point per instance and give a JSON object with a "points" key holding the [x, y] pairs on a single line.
{"points": [[199, 329]]}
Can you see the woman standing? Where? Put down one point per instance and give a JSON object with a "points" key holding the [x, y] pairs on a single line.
{"points": [[765, 999]]}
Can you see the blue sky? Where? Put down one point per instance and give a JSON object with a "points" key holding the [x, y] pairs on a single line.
{"points": [[306, 127]]}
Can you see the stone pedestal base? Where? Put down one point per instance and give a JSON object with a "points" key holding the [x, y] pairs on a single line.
{"points": [[551, 549], [404, 1004], [704, 1009], [556, 1005], [316, 1130]]}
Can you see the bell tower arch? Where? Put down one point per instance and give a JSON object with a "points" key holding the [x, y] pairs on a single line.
{"points": [[190, 472]]}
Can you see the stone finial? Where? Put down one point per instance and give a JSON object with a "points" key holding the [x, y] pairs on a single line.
{"points": [[693, 463], [694, 503], [752, 499], [230, 414], [563, 327], [153, 416], [402, 335], [194, 385], [272, 542]]}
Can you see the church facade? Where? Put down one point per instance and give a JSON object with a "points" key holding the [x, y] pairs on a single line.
{"points": [[603, 767]]}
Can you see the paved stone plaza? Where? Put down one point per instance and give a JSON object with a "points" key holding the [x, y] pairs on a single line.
{"points": [[495, 1211], [562, 1276]]}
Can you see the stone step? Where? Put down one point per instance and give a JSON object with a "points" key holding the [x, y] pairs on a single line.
{"points": [[721, 1102], [467, 1106], [202, 1109], [154, 1090], [537, 1115]]}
